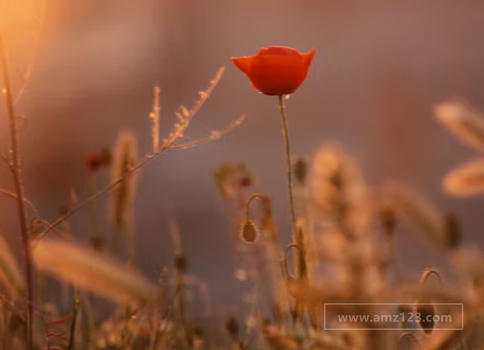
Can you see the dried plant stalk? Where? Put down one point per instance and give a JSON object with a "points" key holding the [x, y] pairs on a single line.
{"points": [[155, 118], [177, 132], [91, 271]]}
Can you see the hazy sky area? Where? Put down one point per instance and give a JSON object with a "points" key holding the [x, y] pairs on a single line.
{"points": [[380, 68]]}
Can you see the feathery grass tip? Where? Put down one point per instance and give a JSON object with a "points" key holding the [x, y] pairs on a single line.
{"points": [[464, 121], [466, 180], [90, 270]]}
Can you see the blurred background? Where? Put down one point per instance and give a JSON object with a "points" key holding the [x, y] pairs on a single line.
{"points": [[380, 68]]}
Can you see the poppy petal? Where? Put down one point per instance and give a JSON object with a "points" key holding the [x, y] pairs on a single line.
{"points": [[243, 63], [276, 70], [254, 87], [308, 57], [279, 51]]}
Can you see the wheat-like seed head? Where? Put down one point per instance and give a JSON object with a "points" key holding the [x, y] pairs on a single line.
{"points": [[90, 270]]}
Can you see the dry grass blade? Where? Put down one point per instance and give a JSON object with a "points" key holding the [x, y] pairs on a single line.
{"points": [[466, 180], [91, 271], [417, 212], [9, 271], [464, 121]]}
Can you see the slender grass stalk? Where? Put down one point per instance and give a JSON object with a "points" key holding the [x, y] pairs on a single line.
{"points": [[285, 133], [17, 175], [77, 303]]}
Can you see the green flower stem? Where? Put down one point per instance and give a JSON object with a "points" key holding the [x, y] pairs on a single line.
{"points": [[288, 161]]}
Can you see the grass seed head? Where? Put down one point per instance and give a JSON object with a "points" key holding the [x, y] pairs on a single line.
{"points": [[90, 270], [336, 187], [125, 157], [464, 121], [466, 180]]}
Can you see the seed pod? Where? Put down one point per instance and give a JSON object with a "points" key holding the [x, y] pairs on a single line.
{"points": [[248, 231]]}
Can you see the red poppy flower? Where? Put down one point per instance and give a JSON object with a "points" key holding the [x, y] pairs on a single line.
{"points": [[277, 70]]}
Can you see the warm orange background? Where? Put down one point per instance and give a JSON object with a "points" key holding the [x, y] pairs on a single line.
{"points": [[380, 68]]}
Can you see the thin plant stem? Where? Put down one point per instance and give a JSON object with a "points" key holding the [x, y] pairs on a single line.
{"points": [[17, 176], [77, 303], [167, 146], [285, 133], [249, 202], [15, 197]]}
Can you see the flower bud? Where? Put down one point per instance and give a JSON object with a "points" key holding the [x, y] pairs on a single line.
{"points": [[248, 231]]}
